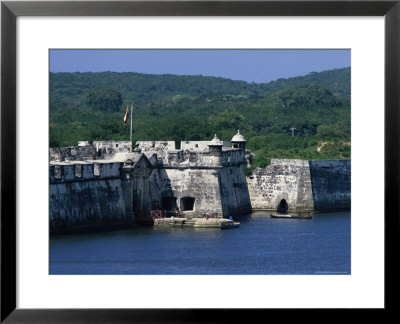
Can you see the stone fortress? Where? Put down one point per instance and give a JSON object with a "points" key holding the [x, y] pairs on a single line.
{"points": [[110, 183]]}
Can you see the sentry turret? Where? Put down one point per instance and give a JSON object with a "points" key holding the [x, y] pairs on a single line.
{"points": [[238, 141], [215, 146]]}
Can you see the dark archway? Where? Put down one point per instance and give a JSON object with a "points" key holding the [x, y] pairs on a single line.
{"points": [[187, 203], [169, 203], [283, 206]]}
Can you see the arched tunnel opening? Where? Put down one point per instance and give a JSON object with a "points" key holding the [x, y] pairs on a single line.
{"points": [[282, 206], [187, 203]]}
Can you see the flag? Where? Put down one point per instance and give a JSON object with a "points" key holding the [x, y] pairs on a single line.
{"points": [[126, 116]]}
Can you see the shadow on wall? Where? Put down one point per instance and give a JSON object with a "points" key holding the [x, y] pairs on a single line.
{"points": [[331, 184], [169, 203], [153, 190]]}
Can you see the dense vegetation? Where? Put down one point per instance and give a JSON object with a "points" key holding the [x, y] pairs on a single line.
{"points": [[91, 106]]}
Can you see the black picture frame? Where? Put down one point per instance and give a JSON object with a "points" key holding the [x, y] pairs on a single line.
{"points": [[10, 10]]}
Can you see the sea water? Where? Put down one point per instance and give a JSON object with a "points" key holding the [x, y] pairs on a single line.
{"points": [[261, 245]]}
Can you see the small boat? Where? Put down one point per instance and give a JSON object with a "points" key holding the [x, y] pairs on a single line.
{"points": [[298, 215], [229, 225]]}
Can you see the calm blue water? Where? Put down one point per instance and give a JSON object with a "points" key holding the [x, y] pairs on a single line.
{"points": [[261, 245]]}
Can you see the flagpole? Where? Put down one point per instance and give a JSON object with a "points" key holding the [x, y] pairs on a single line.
{"points": [[131, 125]]}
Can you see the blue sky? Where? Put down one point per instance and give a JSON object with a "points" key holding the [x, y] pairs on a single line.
{"points": [[258, 66]]}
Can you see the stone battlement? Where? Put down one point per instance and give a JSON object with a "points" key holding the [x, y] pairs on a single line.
{"points": [[97, 182], [104, 182], [89, 150], [160, 153], [195, 153], [302, 185], [182, 158], [83, 171]]}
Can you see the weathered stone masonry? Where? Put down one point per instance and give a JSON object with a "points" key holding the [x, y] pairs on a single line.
{"points": [[97, 182], [197, 179], [331, 184], [305, 185], [85, 194], [104, 183], [283, 179]]}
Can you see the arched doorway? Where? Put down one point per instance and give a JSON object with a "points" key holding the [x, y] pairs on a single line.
{"points": [[282, 206]]}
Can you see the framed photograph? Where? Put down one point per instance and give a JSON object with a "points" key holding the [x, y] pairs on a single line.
{"points": [[47, 50]]}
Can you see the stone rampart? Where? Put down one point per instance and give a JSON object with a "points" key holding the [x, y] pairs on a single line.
{"points": [[233, 157], [283, 179], [83, 195], [235, 198], [331, 184], [199, 145], [303, 185], [103, 183], [72, 153], [196, 191], [89, 150], [83, 171]]}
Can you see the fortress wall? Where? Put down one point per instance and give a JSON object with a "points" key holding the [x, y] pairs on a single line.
{"points": [[118, 146], [94, 193], [87, 204], [89, 150], [319, 185], [180, 158], [331, 184], [145, 190], [61, 172], [111, 169], [195, 145], [89, 200], [284, 179], [233, 157], [201, 184], [304, 189], [156, 190], [199, 145], [235, 197], [159, 146], [72, 153], [174, 158]]}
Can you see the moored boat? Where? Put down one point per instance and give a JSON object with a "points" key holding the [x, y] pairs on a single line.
{"points": [[229, 225], [298, 215]]}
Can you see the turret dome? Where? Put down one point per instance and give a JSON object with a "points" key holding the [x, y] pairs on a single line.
{"points": [[215, 141], [238, 138]]}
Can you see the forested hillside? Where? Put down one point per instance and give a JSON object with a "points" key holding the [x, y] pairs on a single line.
{"points": [[91, 106]]}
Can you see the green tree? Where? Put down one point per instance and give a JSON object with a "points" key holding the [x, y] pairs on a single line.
{"points": [[104, 98], [195, 108], [329, 132], [230, 118]]}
